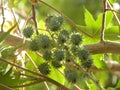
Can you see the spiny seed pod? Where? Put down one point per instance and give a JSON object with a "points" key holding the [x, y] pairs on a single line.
{"points": [[76, 39], [83, 54], [45, 42], [61, 39], [88, 63], [34, 45], [59, 55], [28, 31], [71, 75], [65, 33], [44, 68], [56, 64], [54, 22], [47, 55], [8, 53], [74, 49]]}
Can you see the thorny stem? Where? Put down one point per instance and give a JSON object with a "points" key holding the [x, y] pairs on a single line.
{"points": [[2, 6], [67, 18], [103, 20], [35, 73], [34, 19]]}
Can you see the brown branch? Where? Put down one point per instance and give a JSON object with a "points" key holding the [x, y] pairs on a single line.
{"points": [[67, 18], [95, 48], [104, 47], [103, 21]]}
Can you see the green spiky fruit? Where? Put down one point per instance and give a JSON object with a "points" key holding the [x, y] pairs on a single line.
{"points": [[61, 39], [54, 22], [8, 53], [63, 36], [76, 39], [88, 63], [56, 64], [83, 54], [71, 75], [47, 55], [44, 68], [34, 45], [74, 49], [28, 31], [59, 55], [45, 42], [65, 33]]}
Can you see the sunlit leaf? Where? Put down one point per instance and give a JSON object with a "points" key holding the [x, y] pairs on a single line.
{"points": [[89, 20]]}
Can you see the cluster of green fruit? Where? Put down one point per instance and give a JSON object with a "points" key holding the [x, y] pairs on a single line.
{"points": [[59, 48]]}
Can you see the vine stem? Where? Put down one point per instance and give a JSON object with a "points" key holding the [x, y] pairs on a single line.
{"points": [[62, 87], [103, 21], [67, 18]]}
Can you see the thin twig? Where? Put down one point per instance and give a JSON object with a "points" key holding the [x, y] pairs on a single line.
{"points": [[34, 19], [5, 87], [16, 20], [67, 18], [29, 84], [103, 21], [109, 9], [35, 73], [116, 17], [2, 6]]}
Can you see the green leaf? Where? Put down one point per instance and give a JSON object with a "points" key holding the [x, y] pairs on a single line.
{"points": [[112, 1], [89, 20], [6, 34], [98, 21], [57, 76], [109, 17], [112, 33], [98, 62]]}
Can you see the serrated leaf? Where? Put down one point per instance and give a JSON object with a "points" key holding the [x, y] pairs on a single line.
{"points": [[89, 20]]}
